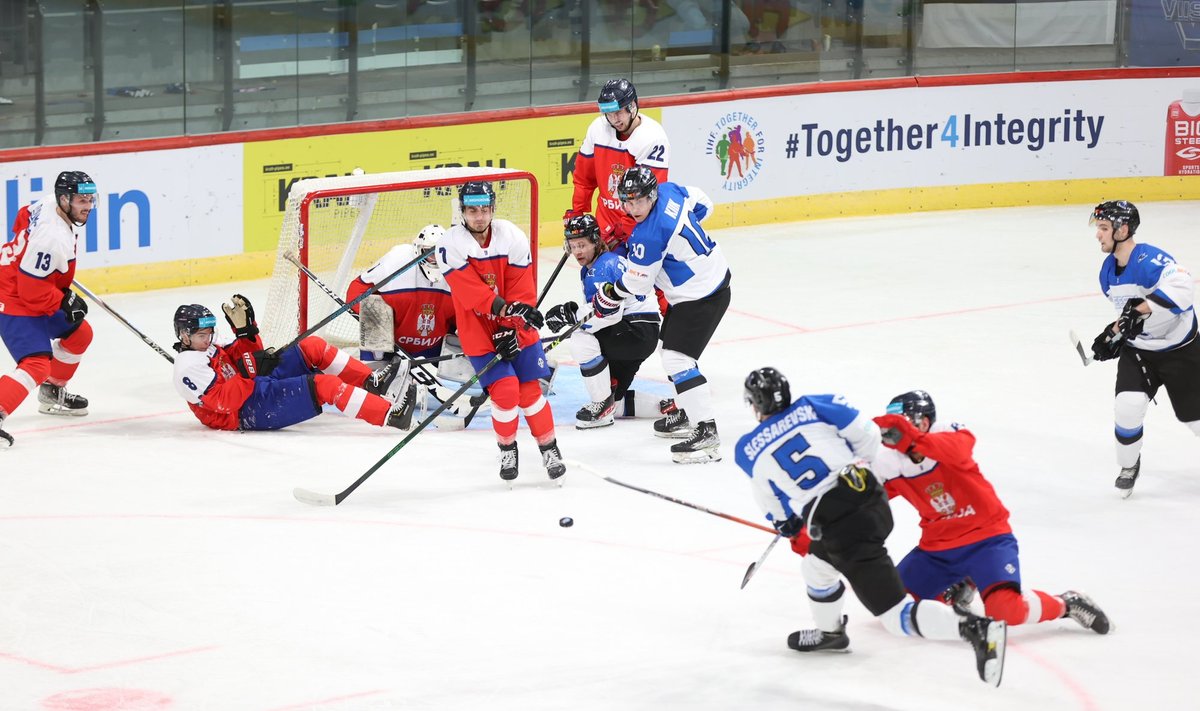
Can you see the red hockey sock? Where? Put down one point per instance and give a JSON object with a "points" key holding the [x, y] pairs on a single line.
{"points": [[504, 394], [1018, 608], [352, 401], [1052, 606], [537, 412], [15, 387], [68, 352]]}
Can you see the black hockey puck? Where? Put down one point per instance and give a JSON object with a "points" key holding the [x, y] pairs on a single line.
{"points": [[566, 522]]}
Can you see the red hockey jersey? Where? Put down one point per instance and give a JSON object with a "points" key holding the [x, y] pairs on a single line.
{"points": [[958, 506], [603, 158], [39, 263], [478, 274], [424, 312], [214, 389]]}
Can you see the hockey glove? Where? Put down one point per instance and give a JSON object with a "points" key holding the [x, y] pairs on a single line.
{"points": [[1107, 345], [1131, 322], [74, 307], [505, 343], [569, 214], [240, 315], [524, 315], [257, 363], [562, 316], [789, 527], [897, 432], [607, 301]]}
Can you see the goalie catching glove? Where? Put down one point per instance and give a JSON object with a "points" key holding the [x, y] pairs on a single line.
{"points": [[562, 316], [240, 315]]}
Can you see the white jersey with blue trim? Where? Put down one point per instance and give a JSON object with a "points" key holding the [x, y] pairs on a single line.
{"points": [[1152, 274], [794, 456], [609, 268], [670, 250]]}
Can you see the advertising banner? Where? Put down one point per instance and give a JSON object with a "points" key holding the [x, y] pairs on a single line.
{"points": [[927, 137], [152, 206], [1164, 33]]}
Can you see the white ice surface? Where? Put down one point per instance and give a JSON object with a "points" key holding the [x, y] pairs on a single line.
{"points": [[149, 563]]}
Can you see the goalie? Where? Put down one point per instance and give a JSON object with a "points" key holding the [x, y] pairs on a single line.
{"points": [[237, 385]]}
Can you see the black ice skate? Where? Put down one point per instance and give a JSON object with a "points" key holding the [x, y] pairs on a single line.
{"points": [[675, 425], [595, 414], [378, 382], [820, 640], [55, 400], [551, 459], [703, 445], [959, 596], [988, 638], [508, 461], [401, 414], [1127, 478], [6, 440], [1087, 613]]}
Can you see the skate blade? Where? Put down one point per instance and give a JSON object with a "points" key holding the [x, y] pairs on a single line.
{"points": [[682, 434], [591, 424], [997, 639], [704, 456], [1125, 493], [61, 411]]}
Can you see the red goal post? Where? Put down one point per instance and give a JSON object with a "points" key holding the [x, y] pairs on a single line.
{"points": [[339, 226]]}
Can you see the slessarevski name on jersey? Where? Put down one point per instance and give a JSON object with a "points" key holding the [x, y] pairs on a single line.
{"points": [[801, 413]]}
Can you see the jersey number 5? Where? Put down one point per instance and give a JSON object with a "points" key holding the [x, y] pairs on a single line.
{"points": [[806, 470]]}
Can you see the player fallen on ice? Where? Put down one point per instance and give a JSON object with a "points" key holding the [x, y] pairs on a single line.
{"points": [[41, 319], [964, 527], [609, 350], [486, 261], [236, 384], [1154, 336], [807, 460]]}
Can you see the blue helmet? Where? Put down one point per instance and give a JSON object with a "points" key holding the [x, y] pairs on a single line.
{"points": [[615, 95]]}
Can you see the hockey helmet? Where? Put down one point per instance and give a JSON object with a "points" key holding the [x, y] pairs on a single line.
{"points": [[913, 404], [475, 194], [1118, 212], [638, 181], [582, 227], [616, 94], [190, 318], [426, 239], [74, 182], [767, 391]]}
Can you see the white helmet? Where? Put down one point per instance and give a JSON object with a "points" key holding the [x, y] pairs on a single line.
{"points": [[428, 238]]}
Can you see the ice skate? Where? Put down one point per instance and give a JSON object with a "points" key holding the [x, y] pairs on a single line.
{"points": [[988, 638], [508, 462], [378, 382], [55, 400], [675, 425], [401, 414], [703, 445], [6, 440], [1127, 478], [960, 596], [552, 460], [1087, 613], [820, 641], [595, 414]]}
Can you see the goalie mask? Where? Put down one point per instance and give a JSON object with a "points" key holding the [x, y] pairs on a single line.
{"points": [[1117, 212], [913, 404], [190, 318], [768, 392], [428, 239]]}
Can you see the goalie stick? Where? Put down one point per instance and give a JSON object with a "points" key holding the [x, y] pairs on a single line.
{"points": [[761, 559], [317, 499], [422, 376], [145, 339]]}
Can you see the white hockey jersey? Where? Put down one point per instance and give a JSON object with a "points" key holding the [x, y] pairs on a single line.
{"points": [[1152, 274]]}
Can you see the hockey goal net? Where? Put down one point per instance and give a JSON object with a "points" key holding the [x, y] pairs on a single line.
{"points": [[340, 226]]}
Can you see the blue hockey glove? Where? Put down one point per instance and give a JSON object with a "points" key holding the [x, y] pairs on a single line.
{"points": [[607, 301]]}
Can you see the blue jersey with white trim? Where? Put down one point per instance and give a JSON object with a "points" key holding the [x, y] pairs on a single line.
{"points": [[1153, 275], [794, 456], [670, 250], [609, 268]]}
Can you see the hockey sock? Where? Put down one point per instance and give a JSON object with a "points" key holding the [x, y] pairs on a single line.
{"points": [[319, 355], [596, 378], [352, 401], [505, 396], [537, 411], [639, 404], [67, 353], [15, 387], [929, 619], [1129, 412]]}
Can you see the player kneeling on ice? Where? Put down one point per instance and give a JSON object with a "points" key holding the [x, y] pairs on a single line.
{"points": [[807, 463], [964, 527], [240, 386], [610, 349], [486, 261]]}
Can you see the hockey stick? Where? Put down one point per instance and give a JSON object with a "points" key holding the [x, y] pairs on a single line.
{"points": [[681, 502], [145, 339], [423, 377], [1087, 360], [761, 559], [346, 306], [317, 499], [553, 276]]}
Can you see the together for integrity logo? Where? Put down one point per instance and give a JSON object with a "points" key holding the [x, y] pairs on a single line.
{"points": [[736, 143]]}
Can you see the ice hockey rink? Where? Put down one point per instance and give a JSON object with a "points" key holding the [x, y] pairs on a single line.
{"points": [[149, 563]]}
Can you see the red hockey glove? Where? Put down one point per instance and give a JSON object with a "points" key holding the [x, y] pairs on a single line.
{"points": [[897, 432], [521, 315], [801, 541]]}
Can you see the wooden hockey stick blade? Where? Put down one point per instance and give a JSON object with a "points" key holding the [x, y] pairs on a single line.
{"points": [[312, 498], [1079, 348]]}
